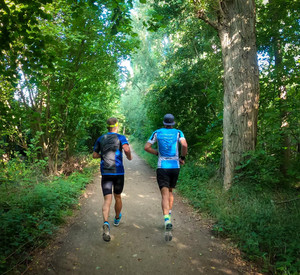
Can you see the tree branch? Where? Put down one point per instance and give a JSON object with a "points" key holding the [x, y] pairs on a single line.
{"points": [[295, 199], [201, 15], [222, 14]]}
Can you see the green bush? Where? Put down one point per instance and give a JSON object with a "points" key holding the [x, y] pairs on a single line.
{"points": [[263, 221], [30, 212]]}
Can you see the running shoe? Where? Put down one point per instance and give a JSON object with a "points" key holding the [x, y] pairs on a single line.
{"points": [[117, 221], [168, 226], [106, 229], [168, 236], [168, 233]]}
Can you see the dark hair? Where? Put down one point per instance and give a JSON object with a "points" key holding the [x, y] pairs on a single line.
{"points": [[111, 123]]}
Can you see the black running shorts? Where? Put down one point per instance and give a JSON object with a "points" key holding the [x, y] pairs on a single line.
{"points": [[167, 177], [110, 181]]}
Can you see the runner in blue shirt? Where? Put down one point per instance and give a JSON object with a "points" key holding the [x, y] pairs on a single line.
{"points": [[168, 166], [109, 148]]}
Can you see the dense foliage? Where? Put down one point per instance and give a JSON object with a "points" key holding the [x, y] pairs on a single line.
{"points": [[59, 82], [30, 212], [60, 74], [178, 69]]}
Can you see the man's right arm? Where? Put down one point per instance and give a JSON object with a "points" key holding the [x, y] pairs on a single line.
{"points": [[96, 152], [96, 155]]}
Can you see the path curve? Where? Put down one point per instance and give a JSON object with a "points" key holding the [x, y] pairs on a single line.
{"points": [[137, 245]]}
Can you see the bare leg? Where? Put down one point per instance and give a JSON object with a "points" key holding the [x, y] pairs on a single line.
{"points": [[171, 198], [118, 204], [165, 203], [106, 206]]}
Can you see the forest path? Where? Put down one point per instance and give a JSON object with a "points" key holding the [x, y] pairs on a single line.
{"points": [[137, 245]]}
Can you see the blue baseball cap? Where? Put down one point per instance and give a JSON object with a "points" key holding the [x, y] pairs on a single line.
{"points": [[169, 120]]}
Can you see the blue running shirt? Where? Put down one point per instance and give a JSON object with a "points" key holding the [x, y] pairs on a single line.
{"points": [[168, 142], [109, 146]]}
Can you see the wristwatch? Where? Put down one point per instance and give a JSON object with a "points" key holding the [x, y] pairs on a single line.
{"points": [[182, 157]]}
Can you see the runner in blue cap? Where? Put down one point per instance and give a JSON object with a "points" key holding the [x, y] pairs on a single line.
{"points": [[168, 166]]}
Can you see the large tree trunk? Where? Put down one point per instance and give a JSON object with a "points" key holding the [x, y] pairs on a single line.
{"points": [[241, 82], [236, 29]]}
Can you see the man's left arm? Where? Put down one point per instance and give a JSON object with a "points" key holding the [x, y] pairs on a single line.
{"points": [[149, 149], [127, 151]]}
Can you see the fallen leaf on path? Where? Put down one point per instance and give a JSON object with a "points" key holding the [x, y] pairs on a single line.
{"points": [[134, 255], [139, 259], [98, 267]]}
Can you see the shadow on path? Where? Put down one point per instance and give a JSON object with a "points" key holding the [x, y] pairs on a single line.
{"points": [[137, 245]]}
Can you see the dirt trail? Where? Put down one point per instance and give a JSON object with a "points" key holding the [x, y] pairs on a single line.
{"points": [[137, 245]]}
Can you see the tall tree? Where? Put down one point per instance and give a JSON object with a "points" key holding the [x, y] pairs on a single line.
{"points": [[234, 20], [278, 41], [71, 78]]}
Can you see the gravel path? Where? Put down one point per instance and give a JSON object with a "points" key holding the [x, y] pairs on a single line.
{"points": [[137, 245]]}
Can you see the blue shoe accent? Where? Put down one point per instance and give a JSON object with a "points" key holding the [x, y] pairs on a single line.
{"points": [[117, 221]]}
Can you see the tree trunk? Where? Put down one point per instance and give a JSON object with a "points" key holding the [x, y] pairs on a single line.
{"points": [[284, 154], [236, 28], [53, 158]]}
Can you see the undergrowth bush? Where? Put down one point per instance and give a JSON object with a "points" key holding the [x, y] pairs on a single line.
{"points": [[263, 221], [30, 212]]}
